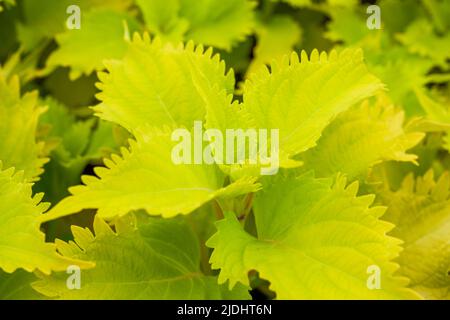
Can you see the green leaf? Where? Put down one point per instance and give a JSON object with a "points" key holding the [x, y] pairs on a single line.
{"points": [[239, 57], [17, 286], [22, 244], [397, 15], [297, 98], [296, 3], [439, 11], [155, 259], [420, 210], [8, 32], [218, 23], [435, 110], [72, 145], [146, 177], [102, 36], [402, 73], [6, 3], [348, 26], [19, 117], [105, 139], [324, 4], [301, 98], [78, 139], [140, 88], [162, 18], [390, 175], [316, 240], [40, 20], [275, 38], [72, 135], [77, 94], [44, 19], [360, 138], [210, 22], [419, 38], [395, 65]]}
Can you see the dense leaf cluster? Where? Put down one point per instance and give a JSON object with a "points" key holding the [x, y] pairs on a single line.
{"points": [[87, 179]]}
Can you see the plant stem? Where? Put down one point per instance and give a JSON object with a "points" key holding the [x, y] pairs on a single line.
{"points": [[218, 210]]}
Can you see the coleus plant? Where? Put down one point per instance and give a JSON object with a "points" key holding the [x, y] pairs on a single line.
{"points": [[344, 200]]}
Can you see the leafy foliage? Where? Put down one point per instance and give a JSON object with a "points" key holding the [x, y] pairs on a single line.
{"points": [[103, 35], [146, 178], [424, 31], [22, 243], [361, 138], [135, 91], [320, 74], [72, 144], [420, 210], [156, 259], [210, 22], [45, 19], [17, 286], [87, 118], [313, 239], [275, 37], [20, 115], [264, 107]]}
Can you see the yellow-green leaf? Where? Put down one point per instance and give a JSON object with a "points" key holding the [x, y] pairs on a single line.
{"points": [[315, 240], [155, 259], [22, 243], [102, 36], [360, 138], [19, 118], [154, 85], [300, 98], [420, 209], [146, 177]]}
